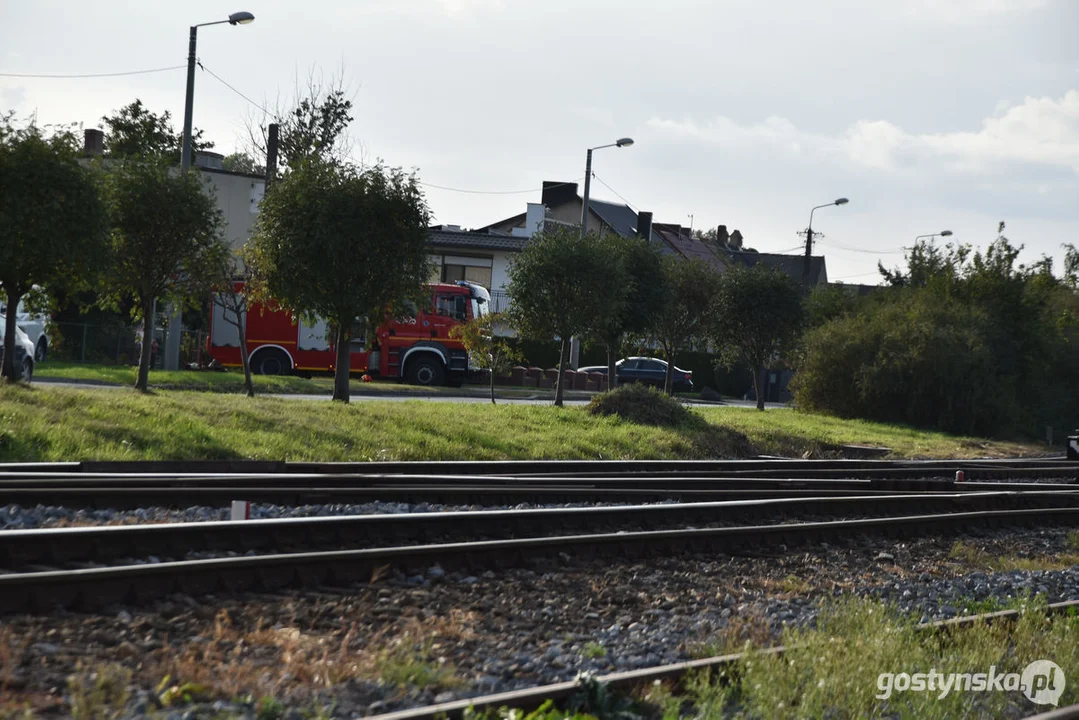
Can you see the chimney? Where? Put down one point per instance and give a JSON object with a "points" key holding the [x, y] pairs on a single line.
{"points": [[722, 237], [93, 144], [644, 225], [558, 193]]}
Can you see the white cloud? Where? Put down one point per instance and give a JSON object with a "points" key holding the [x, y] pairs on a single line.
{"points": [[1040, 131]]}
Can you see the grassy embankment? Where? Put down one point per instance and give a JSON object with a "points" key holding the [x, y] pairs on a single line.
{"points": [[49, 423], [835, 670]]}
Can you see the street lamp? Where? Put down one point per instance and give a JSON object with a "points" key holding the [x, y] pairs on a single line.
{"points": [[942, 233], [621, 142], [172, 341], [236, 18], [809, 236]]}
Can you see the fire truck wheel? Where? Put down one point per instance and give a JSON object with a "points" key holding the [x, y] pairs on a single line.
{"points": [[425, 370], [271, 362]]}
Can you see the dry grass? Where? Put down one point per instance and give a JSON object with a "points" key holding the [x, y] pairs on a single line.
{"points": [[983, 560], [271, 661]]}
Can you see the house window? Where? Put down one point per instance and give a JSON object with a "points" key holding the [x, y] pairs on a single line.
{"points": [[471, 273]]}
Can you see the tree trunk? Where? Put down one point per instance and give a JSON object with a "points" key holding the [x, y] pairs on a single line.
{"points": [[9, 336], [758, 383], [340, 377], [493, 365], [241, 325], [558, 391], [612, 369], [142, 382], [668, 380]]}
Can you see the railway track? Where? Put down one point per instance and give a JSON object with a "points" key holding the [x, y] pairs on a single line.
{"points": [[41, 589], [57, 548], [536, 483]]}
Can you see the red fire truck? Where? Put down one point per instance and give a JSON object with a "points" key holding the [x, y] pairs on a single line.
{"points": [[416, 347]]}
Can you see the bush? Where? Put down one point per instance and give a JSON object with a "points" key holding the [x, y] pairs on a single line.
{"points": [[920, 360], [643, 405], [647, 406]]}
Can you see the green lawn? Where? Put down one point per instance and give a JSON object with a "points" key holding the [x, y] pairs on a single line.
{"points": [[50, 423]]}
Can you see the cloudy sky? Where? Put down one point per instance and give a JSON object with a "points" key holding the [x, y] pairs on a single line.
{"points": [[927, 114]]}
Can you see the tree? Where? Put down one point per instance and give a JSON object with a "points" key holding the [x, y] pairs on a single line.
{"points": [[242, 163], [343, 244], [692, 285], [133, 131], [561, 285], [166, 240], [315, 126], [485, 348], [234, 306], [53, 226], [644, 295], [756, 318]]}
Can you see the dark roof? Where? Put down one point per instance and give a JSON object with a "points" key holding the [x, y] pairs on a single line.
{"points": [[481, 241], [792, 265], [687, 246]]}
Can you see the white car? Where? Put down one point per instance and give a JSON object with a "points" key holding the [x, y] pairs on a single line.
{"points": [[24, 351], [35, 327]]}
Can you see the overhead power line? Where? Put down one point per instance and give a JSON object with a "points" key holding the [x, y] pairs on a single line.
{"points": [[92, 75], [494, 192], [627, 202], [221, 80]]}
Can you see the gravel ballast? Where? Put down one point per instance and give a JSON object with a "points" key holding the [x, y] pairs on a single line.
{"points": [[497, 631]]}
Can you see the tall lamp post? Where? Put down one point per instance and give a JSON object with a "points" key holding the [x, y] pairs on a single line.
{"points": [[621, 142], [172, 341], [236, 18], [809, 238], [942, 233]]}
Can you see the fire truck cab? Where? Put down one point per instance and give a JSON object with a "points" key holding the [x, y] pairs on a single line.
{"points": [[416, 347]]}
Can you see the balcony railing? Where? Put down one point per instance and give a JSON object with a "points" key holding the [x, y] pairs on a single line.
{"points": [[500, 301]]}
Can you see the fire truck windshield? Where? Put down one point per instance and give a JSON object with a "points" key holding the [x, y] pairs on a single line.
{"points": [[481, 301]]}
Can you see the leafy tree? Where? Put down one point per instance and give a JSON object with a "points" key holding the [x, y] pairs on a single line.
{"points": [[53, 226], [964, 340], [315, 126], [829, 301], [756, 317], [133, 131], [166, 240], [692, 285], [561, 285], [644, 295], [341, 243], [487, 349], [243, 163]]}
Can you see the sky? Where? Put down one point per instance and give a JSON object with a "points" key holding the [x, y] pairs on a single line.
{"points": [[926, 114]]}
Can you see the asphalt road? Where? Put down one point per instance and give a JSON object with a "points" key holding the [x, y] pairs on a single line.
{"points": [[358, 397]]}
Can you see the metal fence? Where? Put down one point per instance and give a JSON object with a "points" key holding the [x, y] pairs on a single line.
{"points": [[118, 344]]}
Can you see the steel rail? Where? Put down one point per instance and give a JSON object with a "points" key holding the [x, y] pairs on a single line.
{"points": [[135, 583], [104, 544], [517, 467], [531, 698]]}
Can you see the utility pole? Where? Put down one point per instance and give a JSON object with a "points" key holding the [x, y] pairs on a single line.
{"points": [[809, 255], [809, 240]]}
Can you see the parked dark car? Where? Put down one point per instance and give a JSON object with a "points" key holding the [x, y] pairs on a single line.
{"points": [[648, 371]]}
